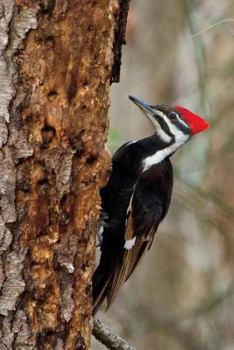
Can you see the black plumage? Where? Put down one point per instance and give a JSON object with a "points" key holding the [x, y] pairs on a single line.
{"points": [[137, 195], [134, 202]]}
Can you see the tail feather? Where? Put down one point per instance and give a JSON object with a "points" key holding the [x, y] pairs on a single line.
{"points": [[101, 280]]}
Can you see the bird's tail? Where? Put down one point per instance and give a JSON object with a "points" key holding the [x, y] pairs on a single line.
{"points": [[101, 280]]}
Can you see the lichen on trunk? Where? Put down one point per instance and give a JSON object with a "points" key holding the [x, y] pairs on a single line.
{"points": [[55, 69]]}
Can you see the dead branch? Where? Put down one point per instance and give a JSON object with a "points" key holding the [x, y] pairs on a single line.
{"points": [[119, 39], [107, 337]]}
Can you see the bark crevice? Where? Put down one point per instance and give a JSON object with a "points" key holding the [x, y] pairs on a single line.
{"points": [[55, 68]]}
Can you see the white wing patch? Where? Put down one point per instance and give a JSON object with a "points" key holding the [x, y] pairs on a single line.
{"points": [[129, 243], [130, 203], [100, 234], [102, 225]]}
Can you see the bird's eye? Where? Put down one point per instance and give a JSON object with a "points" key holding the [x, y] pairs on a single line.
{"points": [[172, 116]]}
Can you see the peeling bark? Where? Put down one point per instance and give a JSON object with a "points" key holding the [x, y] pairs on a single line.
{"points": [[55, 71]]}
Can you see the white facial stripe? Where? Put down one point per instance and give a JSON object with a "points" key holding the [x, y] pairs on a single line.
{"points": [[182, 121], [180, 139], [163, 135], [129, 243], [152, 119], [159, 156], [160, 132], [179, 135]]}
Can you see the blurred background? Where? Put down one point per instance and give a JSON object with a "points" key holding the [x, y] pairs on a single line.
{"points": [[182, 294]]}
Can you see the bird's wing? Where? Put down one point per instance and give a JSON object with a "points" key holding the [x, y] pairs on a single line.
{"points": [[144, 215]]}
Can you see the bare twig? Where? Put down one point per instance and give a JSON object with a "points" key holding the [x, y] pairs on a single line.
{"points": [[210, 27], [107, 337]]}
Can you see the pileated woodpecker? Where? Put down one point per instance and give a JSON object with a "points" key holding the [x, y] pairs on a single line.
{"points": [[137, 195]]}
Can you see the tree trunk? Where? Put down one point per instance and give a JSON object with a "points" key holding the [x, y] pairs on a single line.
{"points": [[55, 71]]}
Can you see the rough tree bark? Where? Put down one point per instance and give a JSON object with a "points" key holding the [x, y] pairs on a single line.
{"points": [[55, 70]]}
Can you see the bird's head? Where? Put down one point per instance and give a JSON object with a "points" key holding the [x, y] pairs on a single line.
{"points": [[174, 124]]}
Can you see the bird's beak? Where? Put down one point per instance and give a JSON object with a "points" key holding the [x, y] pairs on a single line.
{"points": [[148, 110]]}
